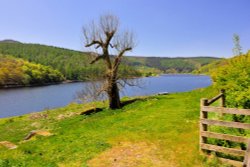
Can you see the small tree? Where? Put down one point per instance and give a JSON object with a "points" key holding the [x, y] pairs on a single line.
{"points": [[237, 50], [105, 38]]}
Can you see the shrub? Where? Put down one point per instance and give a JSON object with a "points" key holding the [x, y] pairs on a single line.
{"points": [[234, 76]]}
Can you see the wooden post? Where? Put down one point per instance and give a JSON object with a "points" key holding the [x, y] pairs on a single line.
{"points": [[203, 115], [246, 162], [223, 98]]}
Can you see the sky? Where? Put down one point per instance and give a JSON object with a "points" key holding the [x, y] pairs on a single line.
{"points": [[163, 28]]}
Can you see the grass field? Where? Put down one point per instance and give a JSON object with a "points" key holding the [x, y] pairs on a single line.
{"points": [[161, 131]]}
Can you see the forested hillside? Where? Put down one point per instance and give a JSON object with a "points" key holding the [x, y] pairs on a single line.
{"points": [[172, 65], [75, 64], [17, 72]]}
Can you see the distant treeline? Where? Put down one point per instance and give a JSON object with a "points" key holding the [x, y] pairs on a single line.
{"points": [[172, 65], [17, 72], [75, 65]]}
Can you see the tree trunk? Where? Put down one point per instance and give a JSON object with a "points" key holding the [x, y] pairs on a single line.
{"points": [[114, 97]]}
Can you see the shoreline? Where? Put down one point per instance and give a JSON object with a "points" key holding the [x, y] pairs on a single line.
{"points": [[75, 81], [53, 83], [38, 85]]}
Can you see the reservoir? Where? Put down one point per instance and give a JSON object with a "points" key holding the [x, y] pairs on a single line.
{"points": [[19, 101]]}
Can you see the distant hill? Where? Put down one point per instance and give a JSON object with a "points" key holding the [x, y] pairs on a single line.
{"points": [[207, 69], [9, 41], [172, 65], [212, 68], [75, 64]]}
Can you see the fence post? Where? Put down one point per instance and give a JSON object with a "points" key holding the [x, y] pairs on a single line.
{"points": [[246, 162], [223, 98], [203, 115]]}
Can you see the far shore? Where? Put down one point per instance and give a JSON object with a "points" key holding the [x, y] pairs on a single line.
{"points": [[13, 86], [36, 85]]}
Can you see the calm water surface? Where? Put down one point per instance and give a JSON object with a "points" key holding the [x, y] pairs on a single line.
{"points": [[21, 101]]}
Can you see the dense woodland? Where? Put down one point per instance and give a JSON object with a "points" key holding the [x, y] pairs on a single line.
{"points": [[17, 72], [75, 65]]}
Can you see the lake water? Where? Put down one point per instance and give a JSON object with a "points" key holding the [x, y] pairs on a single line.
{"points": [[19, 101]]}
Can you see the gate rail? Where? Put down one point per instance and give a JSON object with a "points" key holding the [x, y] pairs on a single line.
{"points": [[204, 133]]}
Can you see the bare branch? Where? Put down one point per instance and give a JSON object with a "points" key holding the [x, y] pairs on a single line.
{"points": [[93, 91], [109, 24], [98, 43], [92, 35], [133, 82], [96, 59], [111, 45], [123, 43], [98, 46], [136, 82]]}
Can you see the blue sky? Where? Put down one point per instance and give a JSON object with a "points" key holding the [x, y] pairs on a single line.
{"points": [[163, 27]]}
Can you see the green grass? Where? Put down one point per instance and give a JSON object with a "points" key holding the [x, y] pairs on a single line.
{"points": [[160, 130]]}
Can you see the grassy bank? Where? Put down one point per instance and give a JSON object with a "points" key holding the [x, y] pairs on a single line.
{"points": [[155, 131]]}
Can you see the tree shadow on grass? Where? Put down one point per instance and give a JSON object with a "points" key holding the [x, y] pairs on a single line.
{"points": [[125, 103], [130, 101], [91, 111]]}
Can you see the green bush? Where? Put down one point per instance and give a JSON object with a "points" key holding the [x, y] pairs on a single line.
{"points": [[234, 77]]}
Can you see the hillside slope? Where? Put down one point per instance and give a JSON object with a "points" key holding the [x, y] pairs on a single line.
{"points": [[75, 65]]}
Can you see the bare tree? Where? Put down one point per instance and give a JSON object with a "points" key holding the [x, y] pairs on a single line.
{"points": [[105, 38]]}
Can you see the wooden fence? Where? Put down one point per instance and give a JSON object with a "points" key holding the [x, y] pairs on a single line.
{"points": [[204, 133]]}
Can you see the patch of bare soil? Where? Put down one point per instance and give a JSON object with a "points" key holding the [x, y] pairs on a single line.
{"points": [[63, 116], [8, 144], [38, 116], [36, 125], [37, 132], [128, 154]]}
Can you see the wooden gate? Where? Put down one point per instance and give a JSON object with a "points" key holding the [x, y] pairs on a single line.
{"points": [[205, 108]]}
